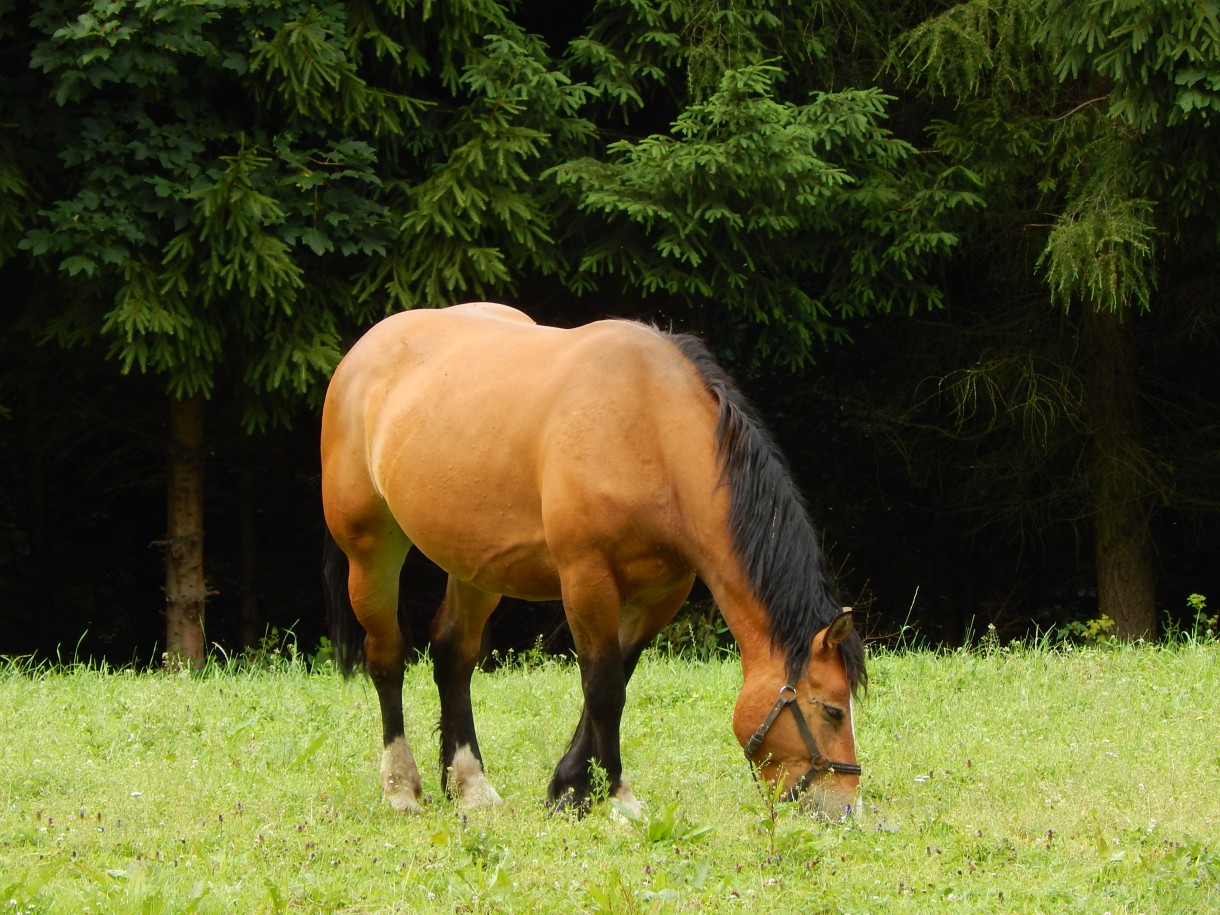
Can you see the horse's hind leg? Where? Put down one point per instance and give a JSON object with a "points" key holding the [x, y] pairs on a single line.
{"points": [[373, 587], [457, 635]]}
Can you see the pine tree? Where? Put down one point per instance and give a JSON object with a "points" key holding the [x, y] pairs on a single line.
{"points": [[241, 184], [1089, 125]]}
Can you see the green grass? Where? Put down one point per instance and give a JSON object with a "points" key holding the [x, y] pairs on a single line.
{"points": [[1021, 780]]}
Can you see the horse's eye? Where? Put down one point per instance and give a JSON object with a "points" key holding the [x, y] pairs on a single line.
{"points": [[833, 712]]}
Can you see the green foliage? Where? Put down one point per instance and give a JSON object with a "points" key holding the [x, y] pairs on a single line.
{"points": [[1114, 181], [769, 812], [1039, 395], [14, 198], [666, 825], [971, 47], [477, 220], [697, 633], [748, 201], [532, 658], [190, 228], [1200, 626], [394, 155], [1100, 250], [599, 784], [1161, 61], [1095, 632], [277, 650]]}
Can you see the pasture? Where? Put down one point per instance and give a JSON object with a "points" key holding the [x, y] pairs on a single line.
{"points": [[1018, 779]]}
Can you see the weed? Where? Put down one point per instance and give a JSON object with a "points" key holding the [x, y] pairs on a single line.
{"points": [[1097, 632], [535, 657], [667, 825], [1202, 627], [599, 784], [614, 896], [698, 633], [276, 650], [768, 813]]}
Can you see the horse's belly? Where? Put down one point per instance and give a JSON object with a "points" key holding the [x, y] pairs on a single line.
{"points": [[528, 577], [496, 550]]}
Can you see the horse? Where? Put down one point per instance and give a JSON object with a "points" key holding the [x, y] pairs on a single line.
{"points": [[607, 466]]}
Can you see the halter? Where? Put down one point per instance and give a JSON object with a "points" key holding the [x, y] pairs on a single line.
{"points": [[820, 764]]}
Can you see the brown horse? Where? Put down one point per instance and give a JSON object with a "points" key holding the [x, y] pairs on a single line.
{"points": [[607, 465]]}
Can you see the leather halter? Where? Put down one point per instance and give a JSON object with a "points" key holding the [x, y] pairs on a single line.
{"points": [[820, 764]]}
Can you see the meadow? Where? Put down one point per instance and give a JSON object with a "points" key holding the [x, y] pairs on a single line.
{"points": [[1007, 779]]}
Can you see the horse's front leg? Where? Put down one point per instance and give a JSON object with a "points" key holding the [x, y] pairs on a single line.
{"points": [[594, 752], [457, 636], [592, 604], [399, 774], [609, 643]]}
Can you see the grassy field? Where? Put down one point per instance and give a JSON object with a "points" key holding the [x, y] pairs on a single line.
{"points": [[1016, 780]]}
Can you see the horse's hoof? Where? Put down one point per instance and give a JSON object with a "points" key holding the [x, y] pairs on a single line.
{"points": [[570, 803], [479, 793], [404, 803], [467, 783], [625, 803], [400, 778]]}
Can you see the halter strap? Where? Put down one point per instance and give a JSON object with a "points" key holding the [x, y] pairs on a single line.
{"points": [[787, 699]]}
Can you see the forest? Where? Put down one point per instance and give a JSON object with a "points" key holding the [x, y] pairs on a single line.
{"points": [[962, 256]]}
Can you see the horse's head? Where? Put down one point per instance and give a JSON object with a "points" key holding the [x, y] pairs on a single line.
{"points": [[800, 735]]}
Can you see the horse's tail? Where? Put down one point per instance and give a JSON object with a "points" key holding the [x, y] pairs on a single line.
{"points": [[346, 633]]}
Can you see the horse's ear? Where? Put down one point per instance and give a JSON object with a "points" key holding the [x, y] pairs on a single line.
{"points": [[839, 629]]}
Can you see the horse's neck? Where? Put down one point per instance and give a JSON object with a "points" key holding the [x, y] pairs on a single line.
{"points": [[743, 612], [709, 542]]}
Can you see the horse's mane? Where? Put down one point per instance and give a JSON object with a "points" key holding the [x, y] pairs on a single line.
{"points": [[770, 526]]}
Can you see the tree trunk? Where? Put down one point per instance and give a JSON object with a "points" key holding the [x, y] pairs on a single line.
{"points": [[1126, 575], [251, 617], [41, 603], [185, 588]]}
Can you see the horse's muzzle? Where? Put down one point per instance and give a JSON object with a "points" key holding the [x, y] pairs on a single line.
{"points": [[835, 803]]}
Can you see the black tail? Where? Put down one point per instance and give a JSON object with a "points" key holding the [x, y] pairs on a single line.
{"points": [[346, 633]]}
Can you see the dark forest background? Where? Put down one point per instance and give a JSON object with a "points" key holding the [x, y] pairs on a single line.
{"points": [[962, 256]]}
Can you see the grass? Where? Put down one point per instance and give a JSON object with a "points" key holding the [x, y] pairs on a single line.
{"points": [[1017, 780]]}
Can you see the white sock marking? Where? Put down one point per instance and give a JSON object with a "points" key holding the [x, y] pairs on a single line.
{"points": [[468, 782]]}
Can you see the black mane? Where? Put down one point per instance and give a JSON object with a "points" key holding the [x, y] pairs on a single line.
{"points": [[772, 534]]}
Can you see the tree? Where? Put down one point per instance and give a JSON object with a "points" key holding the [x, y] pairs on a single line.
{"points": [[242, 184], [215, 172], [1102, 111], [769, 199]]}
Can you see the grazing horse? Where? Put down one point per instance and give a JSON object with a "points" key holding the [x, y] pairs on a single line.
{"points": [[607, 465]]}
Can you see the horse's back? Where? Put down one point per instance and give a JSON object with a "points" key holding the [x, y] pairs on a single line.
{"points": [[495, 442]]}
